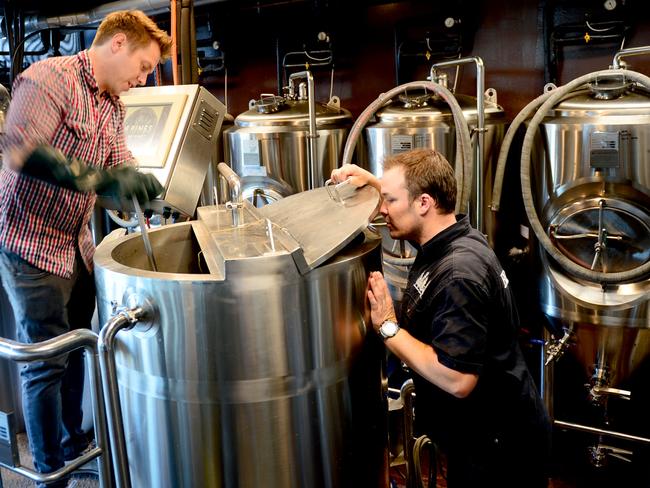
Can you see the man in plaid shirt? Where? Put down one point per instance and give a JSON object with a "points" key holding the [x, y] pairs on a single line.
{"points": [[70, 104]]}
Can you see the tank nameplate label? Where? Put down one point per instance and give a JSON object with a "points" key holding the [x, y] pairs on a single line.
{"points": [[251, 154], [604, 150], [422, 141], [400, 143]]}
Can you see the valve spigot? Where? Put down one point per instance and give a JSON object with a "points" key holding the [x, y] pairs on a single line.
{"points": [[555, 348]]}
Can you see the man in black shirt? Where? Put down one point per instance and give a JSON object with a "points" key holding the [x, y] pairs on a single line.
{"points": [[457, 331]]}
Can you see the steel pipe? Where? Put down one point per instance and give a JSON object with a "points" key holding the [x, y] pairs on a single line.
{"points": [[43, 351], [631, 51], [480, 129], [236, 203], [122, 320], [313, 135], [595, 430]]}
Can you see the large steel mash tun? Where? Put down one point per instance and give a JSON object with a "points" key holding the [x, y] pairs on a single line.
{"points": [[315, 244]]}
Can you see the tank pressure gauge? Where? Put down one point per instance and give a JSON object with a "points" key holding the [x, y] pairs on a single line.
{"points": [[610, 4], [450, 22]]}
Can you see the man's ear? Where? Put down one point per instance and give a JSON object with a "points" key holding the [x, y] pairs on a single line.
{"points": [[426, 203], [118, 41]]}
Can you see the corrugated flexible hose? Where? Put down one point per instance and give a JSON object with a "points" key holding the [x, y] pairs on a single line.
{"points": [[463, 163], [552, 99]]}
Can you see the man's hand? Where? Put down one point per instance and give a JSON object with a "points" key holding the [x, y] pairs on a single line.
{"points": [[381, 303], [125, 182], [357, 176], [122, 183]]}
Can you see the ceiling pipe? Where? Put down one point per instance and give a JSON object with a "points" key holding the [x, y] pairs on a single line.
{"points": [[97, 14]]}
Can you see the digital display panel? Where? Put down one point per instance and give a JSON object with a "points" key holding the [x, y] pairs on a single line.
{"points": [[150, 126]]}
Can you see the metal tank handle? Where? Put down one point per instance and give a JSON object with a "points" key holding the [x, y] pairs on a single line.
{"points": [[333, 190], [122, 319], [339, 192], [236, 203], [42, 351]]}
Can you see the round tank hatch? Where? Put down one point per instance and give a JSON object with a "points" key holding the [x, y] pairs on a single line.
{"points": [[417, 106], [603, 234], [603, 101], [280, 112], [269, 104], [414, 101], [610, 88]]}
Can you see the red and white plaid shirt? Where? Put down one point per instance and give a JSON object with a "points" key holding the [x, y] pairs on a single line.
{"points": [[56, 102]]}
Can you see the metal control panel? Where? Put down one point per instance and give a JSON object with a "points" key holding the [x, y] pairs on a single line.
{"points": [[172, 131]]}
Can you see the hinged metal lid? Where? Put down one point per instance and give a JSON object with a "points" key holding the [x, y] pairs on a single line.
{"points": [[324, 220], [311, 226]]}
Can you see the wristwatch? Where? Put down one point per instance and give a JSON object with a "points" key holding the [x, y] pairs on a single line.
{"points": [[388, 329]]}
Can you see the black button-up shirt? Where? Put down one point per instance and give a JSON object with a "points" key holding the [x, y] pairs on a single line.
{"points": [[459, 301]]}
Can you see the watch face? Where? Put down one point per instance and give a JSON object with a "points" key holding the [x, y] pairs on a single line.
{"points": [[388, 329]]}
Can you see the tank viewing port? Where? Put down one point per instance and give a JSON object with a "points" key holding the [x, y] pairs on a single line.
{"points": [[603, 234]]}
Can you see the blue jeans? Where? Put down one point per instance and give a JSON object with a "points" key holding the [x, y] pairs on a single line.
{"points": [[46, 306]]}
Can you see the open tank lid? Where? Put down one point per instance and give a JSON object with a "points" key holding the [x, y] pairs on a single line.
{"points": [[324, 220], [312, 226]]}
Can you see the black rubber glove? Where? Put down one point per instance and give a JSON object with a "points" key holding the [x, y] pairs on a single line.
{"points": [[126, 182], [122, 183], [51, 165]]}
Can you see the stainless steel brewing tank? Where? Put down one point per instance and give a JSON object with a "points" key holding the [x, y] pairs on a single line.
{"points": [[268, 144], [592, 190], [425, 121], [593, 154], [257, 369]]}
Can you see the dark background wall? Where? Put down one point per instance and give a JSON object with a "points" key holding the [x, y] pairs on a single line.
{"points": [[510, 37], [247, 39]]}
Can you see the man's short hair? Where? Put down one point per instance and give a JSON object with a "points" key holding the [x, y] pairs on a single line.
{"points": [[427, 171], [139, 29]]}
